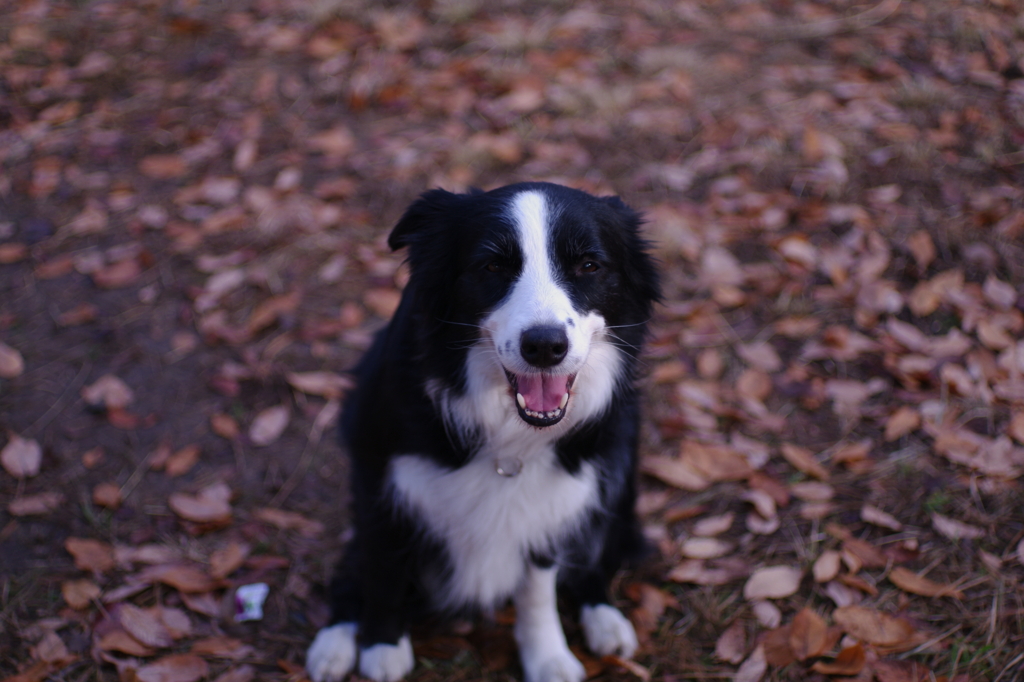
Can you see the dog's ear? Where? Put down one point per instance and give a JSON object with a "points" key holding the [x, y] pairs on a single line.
{"points": [[640, 272], [424, 216]]}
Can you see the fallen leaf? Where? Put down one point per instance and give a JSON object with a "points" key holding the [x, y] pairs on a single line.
{"points": [[211, 505], [21, 457], [181, 577], [955, 530], [903, 421], [108, 393], [731, 646], [713, 525], [286, 520], [803, 460], [224, 426], [221, 646], [1016, 427], [118, 275], [674, 472], [826, 566], [777, 651], [269, 424], [119, 640], [808, 635], [268, 312], [79, 593], [144, 626], [812, 491], [705, 548], [877, 517], [227, 560], [145, 554], [182, 461], [767, 613], [903, 671], [850, 661], [107, 495], [752, 669], [174, 668], [714, 462], [773, 582], [871, 626], [90, 555], [325, 384], [163, 166], [40, 503], [12, 364], [243, 673], [909, 581]]}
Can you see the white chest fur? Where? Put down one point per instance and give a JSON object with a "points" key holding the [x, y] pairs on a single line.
{"points": [[489, 523]]}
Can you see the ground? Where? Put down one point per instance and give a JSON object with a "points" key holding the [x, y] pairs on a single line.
{"points": [[194, 199]]}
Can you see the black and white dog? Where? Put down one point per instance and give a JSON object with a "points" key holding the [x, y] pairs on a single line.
{"points": [[493, 431]]}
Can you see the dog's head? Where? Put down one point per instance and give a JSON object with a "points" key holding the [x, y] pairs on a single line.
{"points": [[535, 275]]}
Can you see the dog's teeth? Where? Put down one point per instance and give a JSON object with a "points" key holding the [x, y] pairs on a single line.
{"points": [[521, 400], [565, 399]]}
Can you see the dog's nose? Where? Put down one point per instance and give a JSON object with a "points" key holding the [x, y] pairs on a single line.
{"points": [[544, 346]]}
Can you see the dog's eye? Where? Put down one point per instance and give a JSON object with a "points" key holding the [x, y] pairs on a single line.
{"points": [[494, 266], [588, 267]]}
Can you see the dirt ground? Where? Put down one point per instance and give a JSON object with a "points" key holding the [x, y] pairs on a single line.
{"points": [[194, 199]]}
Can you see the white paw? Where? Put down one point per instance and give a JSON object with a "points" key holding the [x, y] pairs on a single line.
{"points": [[608, 631], [332, 653], [552, 664], [387, 662]]}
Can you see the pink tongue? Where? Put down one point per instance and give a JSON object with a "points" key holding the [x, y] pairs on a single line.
{"points": [[542, 392]]}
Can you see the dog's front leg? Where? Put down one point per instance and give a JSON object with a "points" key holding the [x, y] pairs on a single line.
{"points": [[542, 647]]}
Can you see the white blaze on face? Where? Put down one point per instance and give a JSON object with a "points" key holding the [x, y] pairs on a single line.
{"points": [[537, 296]]}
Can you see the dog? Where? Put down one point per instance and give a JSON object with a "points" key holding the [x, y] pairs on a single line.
{"points": [[493, 430]]}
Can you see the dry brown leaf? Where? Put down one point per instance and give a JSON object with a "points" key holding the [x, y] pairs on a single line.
{"points": [[715, 462], [776, 646], [145, 554], [1016, 427], [184, 578], [674, 472], [871, 626], [107, 495], [877, 517], [79, 593], [12, 364], [705, 548], [144, 626], [108, 392], [268, 312], [761, 356], [222, 646], [714, 525], [754, 668], [731, 646], [808, 635], [243, 673], [174, 668], [325, 384], [903, 421], [163, 166], [118, 275], [269, 424], [850, 661], [772, 582], [204, 603], [826, 566], [904, 671], [812, 491], [21, 457], [630, 666], [766, 613], [909, 581], [40, 503], [224, 426], [182, 461], [119, 640], [286, 520], [922, 248], [51, 648], [227, 560], [700, 572], [382, 302], [90, 555], [803, 460], [955, 530], [211, 505]]}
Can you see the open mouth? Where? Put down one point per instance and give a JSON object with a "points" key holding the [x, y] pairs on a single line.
{"points": [[541, 398]]}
